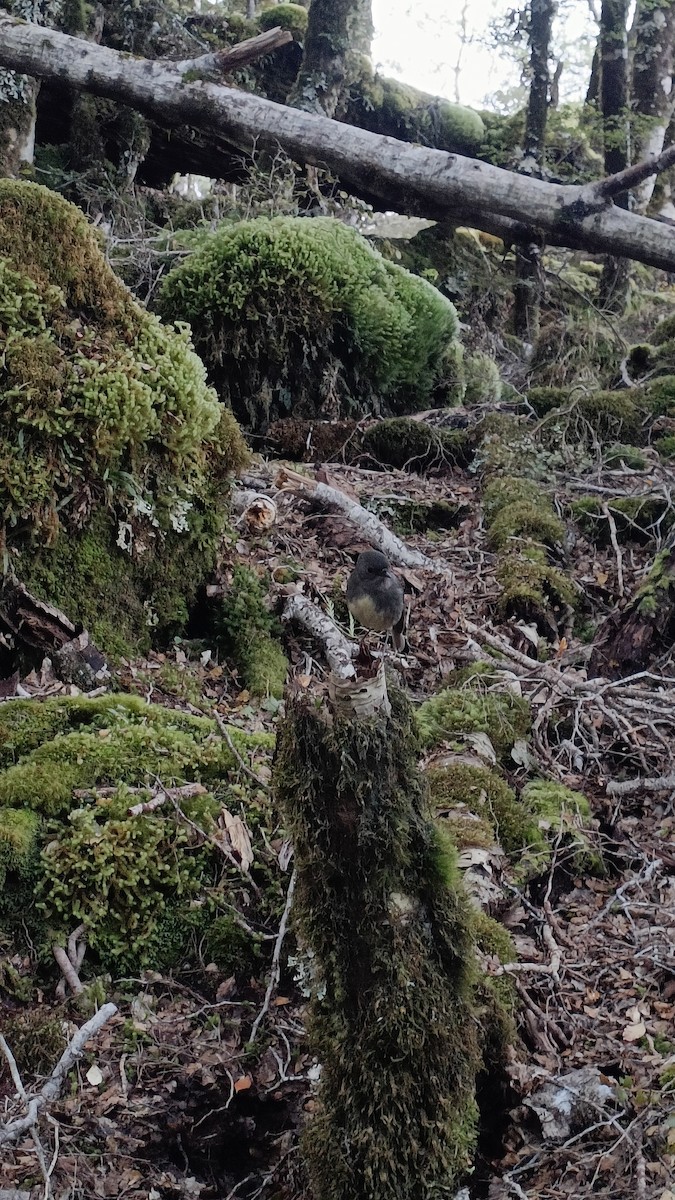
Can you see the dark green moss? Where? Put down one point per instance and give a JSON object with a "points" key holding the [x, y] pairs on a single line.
{"points": [[245, 626], [416, 446], [634, 517]]}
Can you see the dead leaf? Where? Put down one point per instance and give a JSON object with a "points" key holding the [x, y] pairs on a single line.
{"points": [[239, 836], [243, 1083], [94, 1076], [633, 1033]]}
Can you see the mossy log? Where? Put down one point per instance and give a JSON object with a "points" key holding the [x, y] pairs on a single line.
{"points": [[380, 908], [629, 639], [397, 442]]}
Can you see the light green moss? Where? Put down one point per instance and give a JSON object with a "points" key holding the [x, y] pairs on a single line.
{"points": [[532, 589], [456, 712], [483, 381], [281, 310], [558, 808], [287, 16], [525, 520], [665, 447], [486, 794], [507, 490], [545, 399], [244, 625]]}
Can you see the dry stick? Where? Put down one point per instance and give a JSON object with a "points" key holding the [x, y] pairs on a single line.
{"points": [[625, 787], [231, 746], [76, 952], [57, 1079], [162, 795], [18, 1084], [68, 970], [237, 56], [632, 177], [615, 546], [276, 957], [370, 526]]}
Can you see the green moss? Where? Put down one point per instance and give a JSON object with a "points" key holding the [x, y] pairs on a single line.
{"points": [[660, 396], [664, 332], [628, 456], [283, 310], [483, 381], [485, 793], [546, 399], [634, 517], [396, 109], [650, 596], [415, 446], [533, 590], [665, 447], [110, 434], [244, 626], [137, 883], [576, 352], [508, 490], [558, 808], [230, 947], [456, 712], [524, 520], [286, 16], [37, 1038]]}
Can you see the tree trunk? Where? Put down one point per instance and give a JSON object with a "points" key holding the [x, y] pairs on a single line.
{"points": [[613, 288], [18, 114], [529, 277], [338, 32], [415, 179], [653, 95]]}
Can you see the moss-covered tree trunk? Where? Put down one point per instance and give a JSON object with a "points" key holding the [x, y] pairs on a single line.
{"points": [[613, 288], [379, 909], [339, 33], [527, 292], [653, 94]]}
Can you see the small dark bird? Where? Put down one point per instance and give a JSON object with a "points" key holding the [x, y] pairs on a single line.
{"points": [[375, 595]]}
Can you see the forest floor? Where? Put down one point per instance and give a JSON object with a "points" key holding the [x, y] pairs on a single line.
{"points": [[171, 1102]]}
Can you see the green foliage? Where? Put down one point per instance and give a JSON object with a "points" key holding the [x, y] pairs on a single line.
{"points": [[18, 841], [378, 904], [283, 309], [525, 520], [484, 793], [665, 447], [455, 712], [558, 808], [245, 626], [634, 517], [483, 381]]}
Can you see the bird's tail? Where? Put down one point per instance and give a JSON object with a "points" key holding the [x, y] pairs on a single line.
{"points": [[397, 634]]}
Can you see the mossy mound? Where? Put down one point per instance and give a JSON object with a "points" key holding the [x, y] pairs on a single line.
{"points": [[415, 446], [287, 16], [605, 415], [454, 713], [483, 381], [113, 452], [72, 853], [571, 352], [635, 517], [303, 315]]}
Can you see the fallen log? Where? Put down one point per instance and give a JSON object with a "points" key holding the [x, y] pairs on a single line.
{"points": [[417, 179]]}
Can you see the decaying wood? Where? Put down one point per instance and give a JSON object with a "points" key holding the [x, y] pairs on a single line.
{"points": [[417, 179], [223, 61], [367, 524]]}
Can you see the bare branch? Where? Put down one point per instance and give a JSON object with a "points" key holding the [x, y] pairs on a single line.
{"points": [[224, 61]]}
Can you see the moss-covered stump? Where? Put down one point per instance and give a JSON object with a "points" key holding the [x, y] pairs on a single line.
{"points": [[304, 316], [142, 885], [631, 638], [380, 907], [114, 453]]}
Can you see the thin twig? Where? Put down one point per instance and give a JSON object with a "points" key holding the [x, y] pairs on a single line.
{"points": [[276, 957]]}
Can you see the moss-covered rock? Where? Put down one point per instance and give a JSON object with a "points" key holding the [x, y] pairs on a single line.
{"points": [[454, 713], [114, 453], [525, 521], [533, 590], [303, 315], [415, 446]]}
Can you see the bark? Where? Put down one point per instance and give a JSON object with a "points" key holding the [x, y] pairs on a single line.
{"points": [[653, 95], [415, 179], [614, 102], [529, 277], [338, 32]]}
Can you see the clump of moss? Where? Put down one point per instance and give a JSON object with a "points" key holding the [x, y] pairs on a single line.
{"points": [[570, 352], [286, 16], [396, 109], [454, 713], [483, 381], [414, 445], [230, 947], [665, 447], [38, 1039], [545, 399], [107, 416], [246, 625], [526, 521], [660, 396], [532, 589], [507, 490], [485, 793], [557, 808], [301, 312]]}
